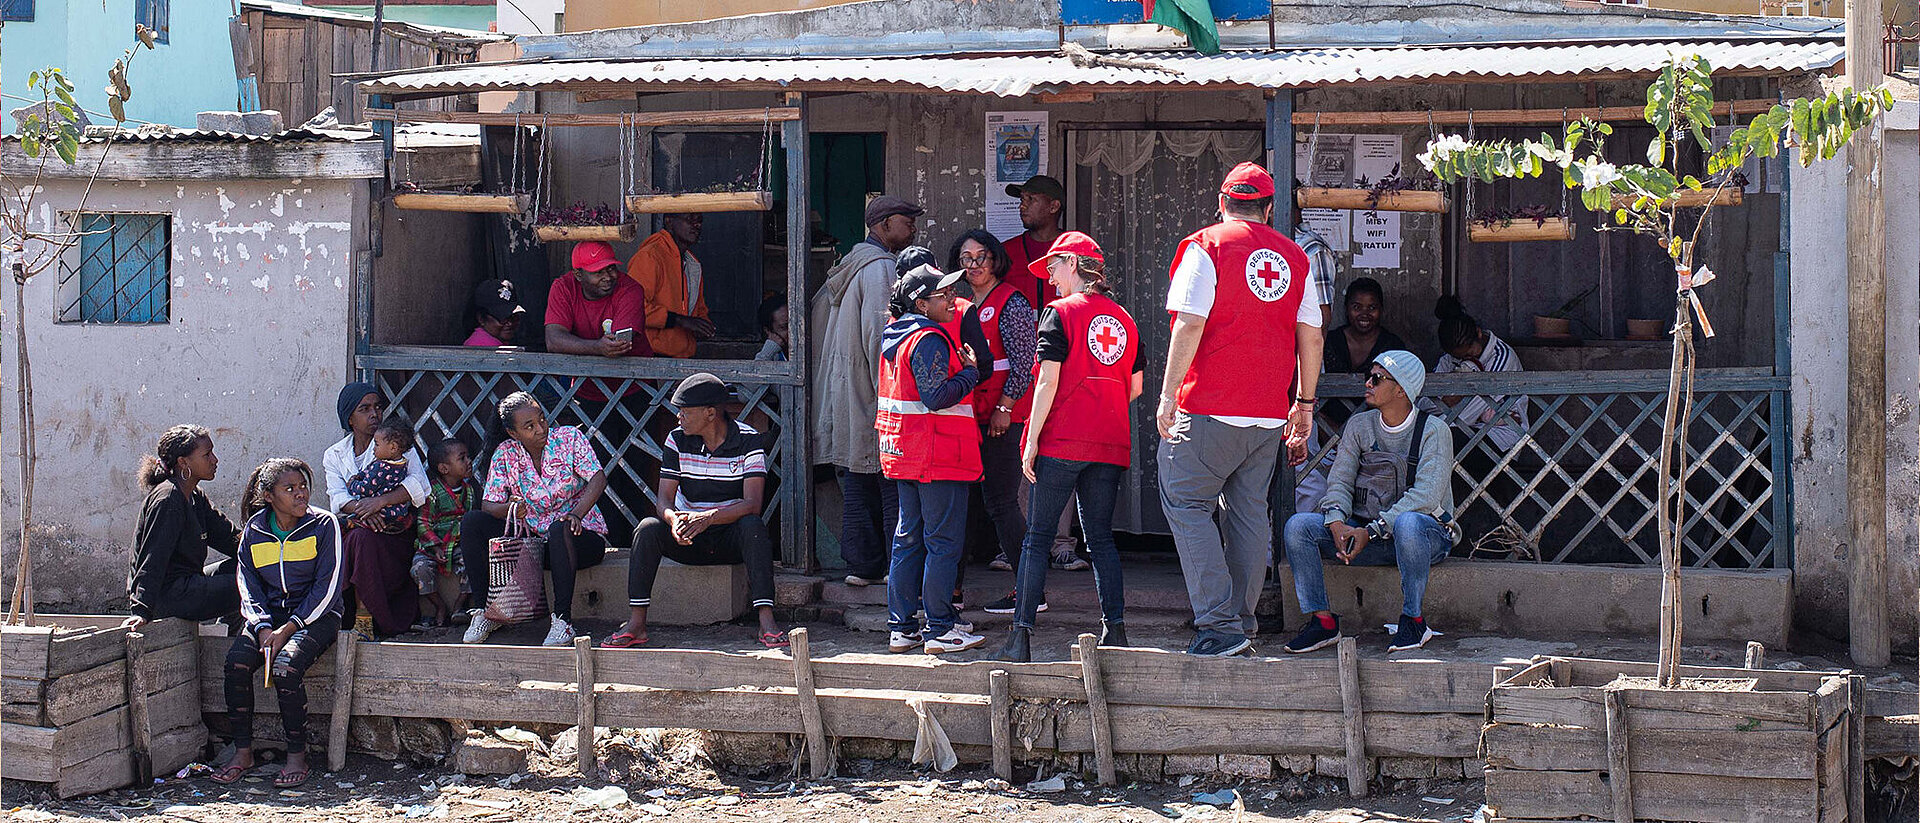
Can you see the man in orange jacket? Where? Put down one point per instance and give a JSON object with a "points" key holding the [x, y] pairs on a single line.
{"points": [[676, 301]]}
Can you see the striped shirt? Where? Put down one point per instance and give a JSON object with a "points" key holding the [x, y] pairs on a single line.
{"points": [[1507, 428], [712, 479]]}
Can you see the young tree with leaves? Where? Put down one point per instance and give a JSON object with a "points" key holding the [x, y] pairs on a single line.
{"points": [[1646, 199]]}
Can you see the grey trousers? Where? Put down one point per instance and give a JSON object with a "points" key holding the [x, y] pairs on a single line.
{"points": [[1209, 466]]}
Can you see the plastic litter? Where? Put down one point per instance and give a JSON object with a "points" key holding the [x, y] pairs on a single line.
{"points": [[1438, 801], [515, 734], [930, 744], [1223, 797], [194, 770], [657, 793], [610, 797], [655, 809], [1056, 783], [727, 800]]}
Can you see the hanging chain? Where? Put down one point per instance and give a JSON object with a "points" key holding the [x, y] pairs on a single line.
{"points": [[626, 164], [513, 168], [542, 181], [1313, 147], [765, 165], [1471, 214], [1566, 204]]}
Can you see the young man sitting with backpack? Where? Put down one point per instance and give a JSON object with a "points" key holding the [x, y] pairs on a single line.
{"points": [[1388, 502]]}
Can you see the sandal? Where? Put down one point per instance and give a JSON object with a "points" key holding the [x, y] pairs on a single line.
{"points": [[289, 778], [774, 640], [230, 774], [622, 640]]}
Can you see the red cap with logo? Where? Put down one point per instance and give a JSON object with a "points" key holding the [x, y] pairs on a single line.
{"points": [[1247, 181], [593, 255], [1071, 242]]}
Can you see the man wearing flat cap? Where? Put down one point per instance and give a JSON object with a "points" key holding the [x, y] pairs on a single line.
{"points": [[847, 317]]}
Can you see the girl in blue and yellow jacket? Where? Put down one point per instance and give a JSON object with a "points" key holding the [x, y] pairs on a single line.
{"points": [[291, 581]]}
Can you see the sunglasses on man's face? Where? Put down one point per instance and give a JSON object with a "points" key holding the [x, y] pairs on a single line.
{"points": [[1375, 378]]}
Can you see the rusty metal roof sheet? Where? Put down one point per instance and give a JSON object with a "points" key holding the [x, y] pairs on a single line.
{"points": [[163, 134], [1014, 75]]}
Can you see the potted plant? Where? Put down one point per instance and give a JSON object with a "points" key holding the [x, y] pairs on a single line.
{"points": [[1732, 194], [741, 196], [1638, 329], [583, 222], [410, 196], [1638, 741], [1420, 192], [1535, 222], [1558, 324]]}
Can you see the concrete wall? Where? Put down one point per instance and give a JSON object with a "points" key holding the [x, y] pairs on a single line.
{"points": [[256, 348], [1820, 350], [173, 82]]}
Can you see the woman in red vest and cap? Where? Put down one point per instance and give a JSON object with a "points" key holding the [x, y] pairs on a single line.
{"points": [[1079, 437]]}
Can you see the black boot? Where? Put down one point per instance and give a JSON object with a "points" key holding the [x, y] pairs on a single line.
{"points": [[1019, 646], [1113, 634]]}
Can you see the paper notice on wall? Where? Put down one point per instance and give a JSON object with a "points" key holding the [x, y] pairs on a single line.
{"points": [[1331, 225], [1325, 161], [1376, 239], [1016, 150], [1376, 156]]}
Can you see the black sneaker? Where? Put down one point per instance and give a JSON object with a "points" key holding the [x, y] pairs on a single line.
{"points": [[1412, 633], [1218, 644], [1007, 605], [1315, 636]]}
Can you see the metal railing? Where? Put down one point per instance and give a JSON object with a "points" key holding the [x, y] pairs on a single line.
{"points": [[449, 392], [1579, 485]]}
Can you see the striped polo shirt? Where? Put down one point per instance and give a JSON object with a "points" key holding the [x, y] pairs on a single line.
{"points": [[711, 480]]}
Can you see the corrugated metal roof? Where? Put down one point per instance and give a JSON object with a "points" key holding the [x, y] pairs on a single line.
{"points": [[1014, 75], [312, 13]]}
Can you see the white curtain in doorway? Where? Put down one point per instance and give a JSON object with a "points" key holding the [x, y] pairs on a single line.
{"points": [[1125, 153]]}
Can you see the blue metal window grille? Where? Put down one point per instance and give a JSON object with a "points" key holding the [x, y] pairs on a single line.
{"points": [[122, 276], [16, 11]]}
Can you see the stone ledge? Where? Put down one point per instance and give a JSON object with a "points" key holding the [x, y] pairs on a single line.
{"points": [[682, 595]]}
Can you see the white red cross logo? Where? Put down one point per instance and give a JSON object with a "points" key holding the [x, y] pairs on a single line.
{"points": [[1268, 274], [1106, 339]]}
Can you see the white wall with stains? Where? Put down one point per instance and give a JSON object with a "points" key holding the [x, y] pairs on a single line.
{"points": [[256, 346]]}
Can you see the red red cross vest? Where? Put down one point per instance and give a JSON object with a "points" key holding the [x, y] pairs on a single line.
{"points": [[1245, 364], [1090, 417], [917, 444], [987, 394]]}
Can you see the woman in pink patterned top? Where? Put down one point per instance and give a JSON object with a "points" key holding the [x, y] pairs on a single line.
{"points": [[555, 496]]}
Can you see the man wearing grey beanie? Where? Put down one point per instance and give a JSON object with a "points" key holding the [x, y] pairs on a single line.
{"points": [[1389, 501]]}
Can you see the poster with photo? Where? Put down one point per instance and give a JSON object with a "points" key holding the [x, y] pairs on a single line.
{"points": [[1016, 150], [1343, 161]]}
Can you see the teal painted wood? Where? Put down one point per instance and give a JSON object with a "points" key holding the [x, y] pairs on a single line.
{"points": [[122, 274]]}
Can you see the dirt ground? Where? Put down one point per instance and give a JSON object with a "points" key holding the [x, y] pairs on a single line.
{"points": [[678, 786]]}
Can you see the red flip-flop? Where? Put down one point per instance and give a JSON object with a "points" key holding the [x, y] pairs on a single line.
{"points": [[774, 640], [230, 774], [622, 640]]}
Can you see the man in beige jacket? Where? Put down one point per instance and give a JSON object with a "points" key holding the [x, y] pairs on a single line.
{"points": [[847, 317]]}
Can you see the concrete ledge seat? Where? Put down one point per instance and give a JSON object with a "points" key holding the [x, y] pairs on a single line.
{"points": [[1534, 599], [682, 595]]}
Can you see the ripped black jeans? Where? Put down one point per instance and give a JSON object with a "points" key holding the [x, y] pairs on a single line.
{"points": [[289, 672]]}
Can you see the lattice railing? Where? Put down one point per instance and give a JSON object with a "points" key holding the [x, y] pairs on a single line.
{"points": [[448, 392], [1579, 486]]}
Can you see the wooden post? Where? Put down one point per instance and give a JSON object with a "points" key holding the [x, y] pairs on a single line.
{"points": [[797, 510], [1353, 715], [1756, 655], [1619, 768], [1000, 722], [343, 663], [1856, 749], [583, 679], [1866, 354], [139, 721], [1097, 707], [817, 753]]}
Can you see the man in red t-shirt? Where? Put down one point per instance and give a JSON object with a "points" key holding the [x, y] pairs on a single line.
{"points": [[594, 309], [1043, 205]]}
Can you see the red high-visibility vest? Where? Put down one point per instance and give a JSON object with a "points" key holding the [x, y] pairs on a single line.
{"points": [[1245, 364], [1089, 419], [987, 394], [916, 443]]}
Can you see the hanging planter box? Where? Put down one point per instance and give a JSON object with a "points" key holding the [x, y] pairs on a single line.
{"points": [[1689, 199], [621, 233], [1521, 229], [700, 202], [1366, 200], [459, 201], [1570, 738]]}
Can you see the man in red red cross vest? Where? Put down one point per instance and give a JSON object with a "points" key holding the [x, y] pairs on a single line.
{"points": [[1241, 372]]}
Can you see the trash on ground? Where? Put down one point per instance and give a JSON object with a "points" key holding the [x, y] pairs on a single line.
{"points": [[1056, 783]]}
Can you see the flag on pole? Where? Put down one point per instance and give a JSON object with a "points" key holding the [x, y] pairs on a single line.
{"points": [[1193, 18]]}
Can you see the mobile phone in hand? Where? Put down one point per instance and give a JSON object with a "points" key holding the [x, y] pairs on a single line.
{"points": [[625, 335]]}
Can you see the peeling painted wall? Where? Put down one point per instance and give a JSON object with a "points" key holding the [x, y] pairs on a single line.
{"points": [[256, 348], [1820, 349]]}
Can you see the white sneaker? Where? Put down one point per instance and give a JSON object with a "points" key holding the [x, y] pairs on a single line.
{"points": [[478, 628], [903, 642], [954, 640], [559, 634], [965, 626]]}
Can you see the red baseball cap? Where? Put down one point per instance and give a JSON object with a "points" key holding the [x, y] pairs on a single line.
{"points": [[1071, 242], [1247, 181], [593, 255]]}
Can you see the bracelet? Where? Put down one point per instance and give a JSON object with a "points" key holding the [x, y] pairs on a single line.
{"points": [[1306, 400], [1006, 409]]}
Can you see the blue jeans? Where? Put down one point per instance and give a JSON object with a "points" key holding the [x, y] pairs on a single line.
{"points": [[1418, 542], [868, 516], [1097, 483], [926, 554]]}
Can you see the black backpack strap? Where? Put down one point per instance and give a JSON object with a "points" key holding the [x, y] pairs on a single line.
{"points": [[1413, 447]]}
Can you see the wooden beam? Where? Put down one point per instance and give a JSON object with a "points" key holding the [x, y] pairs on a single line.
{"points": [[583, 691], [1504, 117], [139, 723], [1097, 707], [1856, 743], [818, 760], [1866, 548], [462, 358], [796, 516], [207, 160], [343, 663], [1000, 703], [717, 117], [1353, 715], [1619, 768]]}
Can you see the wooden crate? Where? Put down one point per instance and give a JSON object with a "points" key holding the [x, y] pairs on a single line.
{"points": [[1366, 200], [623, 233], [1562, 744], [67, 717], [700, 202], [1521, 230]]}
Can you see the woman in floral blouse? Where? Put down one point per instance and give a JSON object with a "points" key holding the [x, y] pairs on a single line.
{"points": [[555, 496]]}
